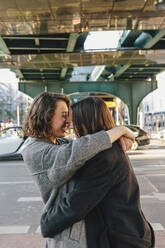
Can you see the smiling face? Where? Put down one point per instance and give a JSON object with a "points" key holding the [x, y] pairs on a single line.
{"points": [[60, 120]]}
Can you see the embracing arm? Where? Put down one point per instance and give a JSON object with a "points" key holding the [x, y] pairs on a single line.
{"points": [[125, 135], [119, 131], [68, 158], [93, 183]]}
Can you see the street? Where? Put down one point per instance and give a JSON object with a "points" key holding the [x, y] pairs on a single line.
{"points": [[21, 206], [149, 165]]}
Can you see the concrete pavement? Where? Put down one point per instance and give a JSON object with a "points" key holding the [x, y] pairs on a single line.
{"points": [[36, 240], [21, 241], [159, 235], [160, 239]]}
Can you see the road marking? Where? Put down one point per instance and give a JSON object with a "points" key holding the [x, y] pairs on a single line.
{"points": [[13, 229], [155, 175], [19, 182], [152, 185], [38, 231], [148, 165], [147, 197], [25, 229], [157, 227], [9, 164], [149, 169], [159, 196], [146, 156], [29, 199]]}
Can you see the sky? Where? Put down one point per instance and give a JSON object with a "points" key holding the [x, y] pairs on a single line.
{"points": [[157, 97], [161, 83], [7, 76], [102, 40]]}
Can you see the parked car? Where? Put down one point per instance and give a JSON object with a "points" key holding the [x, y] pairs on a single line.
{"points": [[142, 138], [11, 140]]}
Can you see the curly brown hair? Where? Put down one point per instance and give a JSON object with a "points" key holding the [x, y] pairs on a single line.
{"points": [[37, 122], [91, 115]]}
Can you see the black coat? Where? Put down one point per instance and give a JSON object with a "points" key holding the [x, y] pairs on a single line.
{"points": [[106, 194]]}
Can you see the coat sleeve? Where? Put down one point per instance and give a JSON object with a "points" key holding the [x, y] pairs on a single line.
{"points": [[92, 183], [66, 159]]}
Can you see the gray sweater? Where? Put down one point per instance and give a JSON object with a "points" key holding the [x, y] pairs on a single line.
{"points": [[53, 165]]}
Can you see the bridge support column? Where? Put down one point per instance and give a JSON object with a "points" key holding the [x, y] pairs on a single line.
{"points": [[130, 92]]}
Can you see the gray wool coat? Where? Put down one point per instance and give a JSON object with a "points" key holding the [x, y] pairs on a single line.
{"points": [[52, 165]]}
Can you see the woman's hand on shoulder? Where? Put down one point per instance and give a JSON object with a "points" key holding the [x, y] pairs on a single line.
{"points": [[126, 143], [127, 139], [129, 134], [121, 131]]}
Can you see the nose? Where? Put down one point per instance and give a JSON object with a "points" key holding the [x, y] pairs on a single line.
{"points": [[67, 120]]}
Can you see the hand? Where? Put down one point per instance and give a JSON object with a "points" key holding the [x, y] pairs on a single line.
{"points": [[120, 131], [129, 134], [126, 143]]}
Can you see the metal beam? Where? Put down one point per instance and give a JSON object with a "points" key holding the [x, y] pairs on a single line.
{"points": [[72, 42], [156, 38], [97, 71], [63, 72], [37, 48], [33, 38], [121, 70], [39, 73], [70, 48], [139, 72], [3, 48], [150, 43], [154, 67], [19, 74], [32, 89], [131, 93]]}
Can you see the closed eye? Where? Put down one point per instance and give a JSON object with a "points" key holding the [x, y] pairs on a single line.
{"points": [[65, 115]]}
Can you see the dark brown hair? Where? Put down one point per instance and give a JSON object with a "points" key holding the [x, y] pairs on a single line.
{"points": [[37, 121], [91, 114]]}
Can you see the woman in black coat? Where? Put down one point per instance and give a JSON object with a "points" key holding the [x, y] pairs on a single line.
{"points": [[105, 193]]}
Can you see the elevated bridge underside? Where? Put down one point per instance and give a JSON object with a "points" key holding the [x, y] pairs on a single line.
{"points": [[43, 42]]}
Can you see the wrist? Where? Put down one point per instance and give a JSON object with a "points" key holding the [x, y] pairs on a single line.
{"points": [[116, 132], [124, 130], [121, 130]]}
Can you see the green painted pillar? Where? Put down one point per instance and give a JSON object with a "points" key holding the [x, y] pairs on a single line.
{"points": [[130, 92], [31, 89]]}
